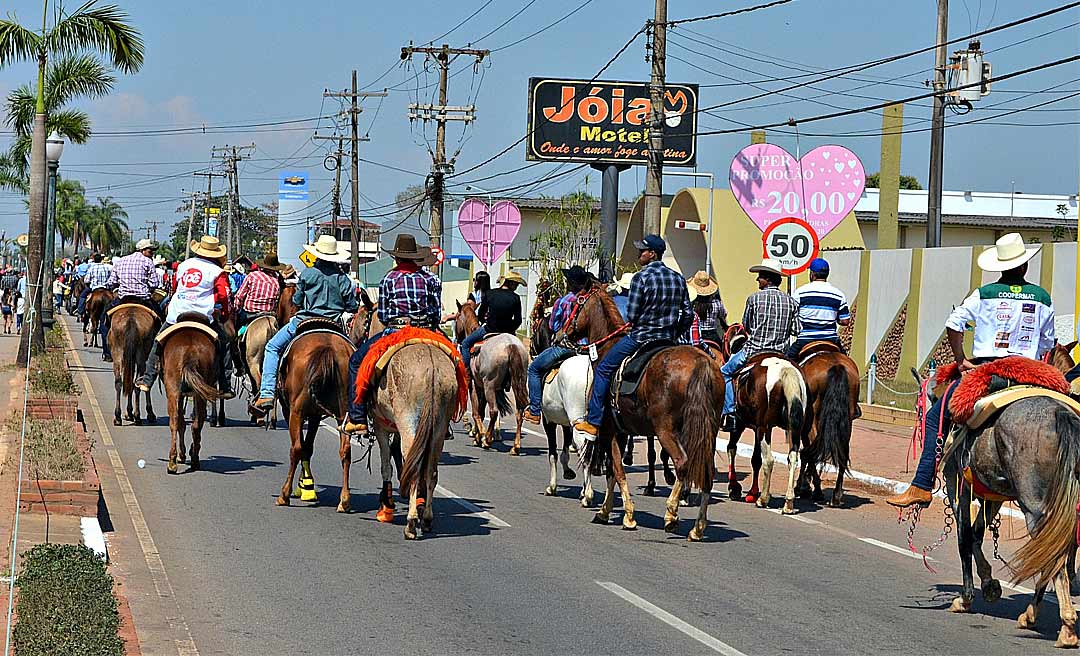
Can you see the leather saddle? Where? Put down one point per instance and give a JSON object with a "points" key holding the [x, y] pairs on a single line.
{"points": [[186, 322], [319, 323], [242, 331], [820, 346], [136, 302], [987, 408], [628, 376]]}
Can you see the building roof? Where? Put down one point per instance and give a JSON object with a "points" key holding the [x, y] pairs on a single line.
{"points": [[345, 222], [550, 203], [976, 220]]}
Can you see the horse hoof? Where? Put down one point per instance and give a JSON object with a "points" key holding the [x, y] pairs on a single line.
{"points": [[669, 478], [117, 422], [629, 524], [1066, 637], [385, 514], [837, 501], [1026, 619], [151, 418], [137, 421], [410, 530], [960, 606], [172, 469], [426, 525], [343, 507], [671, 526], [991, 591], [789, 508], [694, 535], [586, 502], [599, 519], [735, 492], [194, 466], [514, 451], [282, 501], [550, 490], [650, 491], [183, 457], [569, 474]]}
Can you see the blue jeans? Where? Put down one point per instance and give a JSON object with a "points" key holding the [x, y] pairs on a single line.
{"points": [[538, 368], [935, 420], [602, 373], [467, 344], [358, 411], [728, 370], [799, 344], [81, 307], [272, 357]]}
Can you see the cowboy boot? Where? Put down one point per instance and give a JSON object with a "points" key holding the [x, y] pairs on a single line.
{"points": [[153, 361], [910, 497]]}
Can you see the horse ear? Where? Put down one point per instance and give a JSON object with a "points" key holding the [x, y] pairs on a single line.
{"points": [[1070, 346], [457, 303]]}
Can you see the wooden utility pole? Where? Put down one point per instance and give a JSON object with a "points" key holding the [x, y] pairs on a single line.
{"points": [[441, 113], [151, 226], [354, 117], [209, 175], [230, 155], [654, 174], [937, 129]]}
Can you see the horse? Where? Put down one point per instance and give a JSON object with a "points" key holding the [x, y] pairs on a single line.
{"points": [[316, 386], [466, 320], [365, 323], [498, 368], [92, 313], [252, 346], [285, 307], [72, 300], [188, 361], [678, 400], [771, 393], [832, 387], [1060, 357], [131, 337], [565, 399], [416, 398]]}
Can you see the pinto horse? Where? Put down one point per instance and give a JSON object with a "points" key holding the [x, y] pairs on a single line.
{"points": [[92, 313], [188, 361], [130, 340], [677, 400], [314, 384], [832, 386]]}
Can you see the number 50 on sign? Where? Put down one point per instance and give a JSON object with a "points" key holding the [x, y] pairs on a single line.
{"points": [[792, 242]]}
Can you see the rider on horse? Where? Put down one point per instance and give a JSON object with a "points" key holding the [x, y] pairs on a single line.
{"points": [[658, 308], [1011, 317], [260, 290], [202, 289], [577, 278], [500, 311], [769, 317], [711, 315], [322, 291], [134, 279], [408, 296], [96, 277], [821, 307]]}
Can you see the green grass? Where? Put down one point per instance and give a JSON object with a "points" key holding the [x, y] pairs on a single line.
{"points": [[66, 604]]}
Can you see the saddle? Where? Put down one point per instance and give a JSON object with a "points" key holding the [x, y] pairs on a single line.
{"points": [[628, 376], [319, 323], [184, 324], [975, 393], [820, 346], [252, 319], [134, 303]]}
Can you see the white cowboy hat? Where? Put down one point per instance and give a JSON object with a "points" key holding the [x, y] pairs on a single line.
{"points": [[513, 276], [623, 283], [159, 260], [327, 248], [768, 265], [143, 244], [209, 247], [1008, 253]]}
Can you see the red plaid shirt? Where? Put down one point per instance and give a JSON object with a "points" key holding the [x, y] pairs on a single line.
{"points": [[258, 293]]}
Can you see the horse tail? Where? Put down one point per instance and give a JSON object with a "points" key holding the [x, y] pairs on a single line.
{"points": [[417, 460], [834, 423], [193, 380], [320, 374], [1054, 536], [700, 423], [129, 353], [791, 382], [517, 367]]}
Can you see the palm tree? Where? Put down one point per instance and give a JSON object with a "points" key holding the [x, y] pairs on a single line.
{"points": [[107, 226], [91, 27], [72, 212]]}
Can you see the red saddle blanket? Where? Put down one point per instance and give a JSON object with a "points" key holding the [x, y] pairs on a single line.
{"points": [[974, 386], [378, 355]]}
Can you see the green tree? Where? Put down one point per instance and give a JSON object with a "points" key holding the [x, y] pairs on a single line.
{"points": [[873, 181], [571, 236], [91, 27], [72, 213], [107, 226]]}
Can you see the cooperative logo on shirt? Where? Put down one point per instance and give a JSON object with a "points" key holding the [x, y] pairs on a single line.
{"points": [[191, 278]]}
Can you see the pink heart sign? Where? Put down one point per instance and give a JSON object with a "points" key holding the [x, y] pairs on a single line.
{"points": [[821, 188], [488, 230]]}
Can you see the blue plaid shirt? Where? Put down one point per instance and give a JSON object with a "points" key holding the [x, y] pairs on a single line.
{"points": [[408, 291], [560, 312], [659, 306]]}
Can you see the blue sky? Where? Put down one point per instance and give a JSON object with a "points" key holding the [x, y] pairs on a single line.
{"points": [[241, 62]]}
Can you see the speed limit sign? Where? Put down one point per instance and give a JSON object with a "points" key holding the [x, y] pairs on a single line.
{"points": [[792, 242]]}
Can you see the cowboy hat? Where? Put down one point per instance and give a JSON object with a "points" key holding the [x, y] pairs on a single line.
{"points": [[702, 284], [327, 248], [1008, 253], [623, 283], [287, 271], [768, 265], [159, 260], [209, 247], [576, 275], [513, 276], [270, 262], [406, 248], [144, 244]]}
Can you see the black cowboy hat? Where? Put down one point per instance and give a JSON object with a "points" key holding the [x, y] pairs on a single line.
{"points": [[406, 248], [576, 275]]}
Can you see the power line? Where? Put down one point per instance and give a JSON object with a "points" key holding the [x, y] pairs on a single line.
{"points": [[543, 29], [465, 20], [725, 14], [506, 22]]}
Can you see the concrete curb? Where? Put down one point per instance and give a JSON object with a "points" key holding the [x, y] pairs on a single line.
{"points": [[93, 537]]}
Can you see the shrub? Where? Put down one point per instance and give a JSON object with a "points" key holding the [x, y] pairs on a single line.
{"points": [[51, 450], [66, 604]]}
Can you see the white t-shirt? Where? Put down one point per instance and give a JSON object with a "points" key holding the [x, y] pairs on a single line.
{"points": [[194, 288]]}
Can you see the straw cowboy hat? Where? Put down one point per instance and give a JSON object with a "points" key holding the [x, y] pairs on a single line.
{"points": [[623, 283], [702, 284], [208, 246], [768, 265], [144, 244], [1008, 253], [406, 248], [513, 276], [327, 248], [270, 262]]}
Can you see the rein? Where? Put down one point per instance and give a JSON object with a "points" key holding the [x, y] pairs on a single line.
{"points": [[571, 322]]}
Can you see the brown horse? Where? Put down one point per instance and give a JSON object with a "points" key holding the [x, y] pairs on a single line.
{"points": [[832, 387], [1060, 357], [677, 400], [188, 361], [92, 313], [313, 384], [130, 338], [252, 346], [770, 393], [365, 322], [466, 320], [285, 307]]}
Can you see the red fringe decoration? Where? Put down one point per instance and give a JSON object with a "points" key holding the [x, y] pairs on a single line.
{"points": [[973, 385], [366, 378]]}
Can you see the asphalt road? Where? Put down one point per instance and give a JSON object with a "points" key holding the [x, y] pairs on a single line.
{"points": [[533, 576]]}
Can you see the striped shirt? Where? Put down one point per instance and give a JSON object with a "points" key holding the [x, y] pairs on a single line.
{"points": [[821, 305], [769, 317]]}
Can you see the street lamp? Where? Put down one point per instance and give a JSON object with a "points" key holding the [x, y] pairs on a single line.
{"points": [[54, 148]]}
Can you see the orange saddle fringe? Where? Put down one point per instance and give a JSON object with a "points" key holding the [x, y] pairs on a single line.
{"points": [[378, 356]]}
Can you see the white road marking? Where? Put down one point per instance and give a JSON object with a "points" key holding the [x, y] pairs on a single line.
{"points": [[893, 548], [471, 507], [532, 432], [670, 620], [798, 518], [186, 645]]}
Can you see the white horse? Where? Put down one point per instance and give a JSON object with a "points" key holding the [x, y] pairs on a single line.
{"points": [[566, 401]]}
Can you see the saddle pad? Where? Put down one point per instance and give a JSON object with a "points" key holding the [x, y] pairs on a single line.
{"points": [[631, 369], [183, 325], [551, 374], [986, 407], [980, 490], [134, 305], [313, 331], [1020, 370]]}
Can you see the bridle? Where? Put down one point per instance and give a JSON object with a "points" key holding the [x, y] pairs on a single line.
{"points": [[571, 323]]}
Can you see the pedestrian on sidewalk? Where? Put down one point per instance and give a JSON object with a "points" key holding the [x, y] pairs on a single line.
{"points": [[7, 309], [58, 288]]}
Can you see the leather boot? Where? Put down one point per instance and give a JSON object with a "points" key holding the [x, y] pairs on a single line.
{"points": [[911, 496], [153, 361]]}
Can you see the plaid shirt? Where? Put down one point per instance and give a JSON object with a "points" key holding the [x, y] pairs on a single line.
{"points": [[133, 275], [659, 306], [258, 293], [714, 315], [560, 312], [97, 276], [408, 291], [769, 317]]}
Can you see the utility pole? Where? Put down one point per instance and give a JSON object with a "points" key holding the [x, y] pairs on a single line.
{"points": [[354, 117], [151, 226], [209, 175], [441, 113], [230, 155], [937, 130], [654, 174]]}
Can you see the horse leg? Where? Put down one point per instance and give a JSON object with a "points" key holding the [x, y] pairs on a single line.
{"points": [[516, 450], [964, 542], [493, 432], [671, 508], [305, 489], [118, 385], [603, 514], [698, 532], [991, 588], [477, 414], [345, 454], [197, 423], [176, 422], [553, 456], [564, 457], [137, 398], [1028, 618], [1067, 634], [427, 510], [755, 462], [793, 468], [150, 416], [669, 473], [183, 424], [628, 522], [295, 449], [413, 516], [650, 445], [385, 513], [733, 486]]}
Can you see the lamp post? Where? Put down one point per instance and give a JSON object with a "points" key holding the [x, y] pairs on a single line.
{"points": [[54, 148]]}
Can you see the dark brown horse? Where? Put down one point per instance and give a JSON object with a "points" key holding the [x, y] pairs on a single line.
{"points": [[832, 387], [131, 336], [92, 313], [313, 383], [285, 307], [1060, 357], [188, 361], [678, 400]]}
